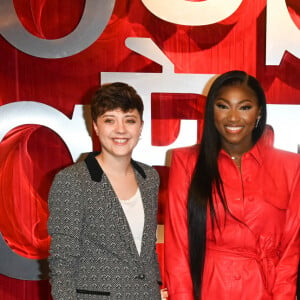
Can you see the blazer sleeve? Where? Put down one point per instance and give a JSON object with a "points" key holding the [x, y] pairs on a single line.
{"points": [[155, 182], [287, 267], [178, 278], [64, 227]]}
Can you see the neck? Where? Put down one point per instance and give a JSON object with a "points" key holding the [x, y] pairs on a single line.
{"points": [[115, 165], [236, 151]]}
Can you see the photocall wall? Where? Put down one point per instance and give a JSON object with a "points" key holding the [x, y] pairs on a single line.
{"points": [[54, 54]]}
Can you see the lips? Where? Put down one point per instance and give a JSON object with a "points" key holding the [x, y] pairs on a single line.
{"points": [[233, 129]]}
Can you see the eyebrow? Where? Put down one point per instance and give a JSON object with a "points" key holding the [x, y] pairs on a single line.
{"points": [[127, 115], [244, 100]]}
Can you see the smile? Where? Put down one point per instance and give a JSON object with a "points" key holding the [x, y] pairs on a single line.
{"points": [[120, 141], [235, 129]]}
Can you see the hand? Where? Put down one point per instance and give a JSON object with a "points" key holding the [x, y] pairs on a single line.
{"points": [[164, 294]]}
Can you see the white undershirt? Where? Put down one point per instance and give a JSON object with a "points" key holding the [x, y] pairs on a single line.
{"points": [[134, 212]]}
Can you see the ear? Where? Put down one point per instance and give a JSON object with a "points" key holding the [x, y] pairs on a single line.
{"points": [[95, 128]]}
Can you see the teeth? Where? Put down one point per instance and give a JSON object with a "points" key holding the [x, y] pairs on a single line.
{"points": [[121, 141], [234, 128]]}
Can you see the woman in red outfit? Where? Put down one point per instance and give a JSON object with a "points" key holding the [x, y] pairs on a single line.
{"points": [[232, 220]]}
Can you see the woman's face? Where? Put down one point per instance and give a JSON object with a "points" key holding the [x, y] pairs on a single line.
{"points": [[118, 132], [236, 111]]}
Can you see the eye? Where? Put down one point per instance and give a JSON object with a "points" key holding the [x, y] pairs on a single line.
{"points": [[246, 107], [221, 106], [108, 121], [131, 121]]}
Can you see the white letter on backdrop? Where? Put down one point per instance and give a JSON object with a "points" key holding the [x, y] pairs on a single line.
{"points": [[282, 34], [192, 13], [95, 17], [30, 112]]}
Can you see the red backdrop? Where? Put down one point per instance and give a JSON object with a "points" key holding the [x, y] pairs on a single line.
{"points": [[30, 155]]}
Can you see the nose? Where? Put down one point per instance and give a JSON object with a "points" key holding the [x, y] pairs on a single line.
{"points": [[233, 115], [120, 127]]}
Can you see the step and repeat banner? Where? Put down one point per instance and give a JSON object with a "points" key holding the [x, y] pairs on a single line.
{"points": [[54, 54]]}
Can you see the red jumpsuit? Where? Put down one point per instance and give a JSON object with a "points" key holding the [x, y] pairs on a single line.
{"points": [[254, 259]]}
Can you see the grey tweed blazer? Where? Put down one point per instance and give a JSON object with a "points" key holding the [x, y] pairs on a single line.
{"points": [[92, 252]]}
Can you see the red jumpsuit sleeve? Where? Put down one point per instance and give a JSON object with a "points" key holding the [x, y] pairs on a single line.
{"points": [[178, 278], [287, 267]]}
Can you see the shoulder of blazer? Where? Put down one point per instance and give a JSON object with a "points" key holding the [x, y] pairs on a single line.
{"points": [[96, 172]]}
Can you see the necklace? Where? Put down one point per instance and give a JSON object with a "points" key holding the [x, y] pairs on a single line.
{"points": [[235, 157], [237, 160]]}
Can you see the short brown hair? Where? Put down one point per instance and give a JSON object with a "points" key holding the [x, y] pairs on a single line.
{"points": [[115, 95]]}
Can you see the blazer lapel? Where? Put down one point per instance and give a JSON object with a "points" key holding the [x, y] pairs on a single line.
{"points": [[147, 242], [121, 223]]}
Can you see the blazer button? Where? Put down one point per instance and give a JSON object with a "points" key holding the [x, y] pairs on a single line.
{"points": [[141, 276]]}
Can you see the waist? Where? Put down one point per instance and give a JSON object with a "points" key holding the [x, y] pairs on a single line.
{"points": [[243, 253]]}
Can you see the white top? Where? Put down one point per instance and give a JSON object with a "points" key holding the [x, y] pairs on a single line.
{"points": [[134, 212]]}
